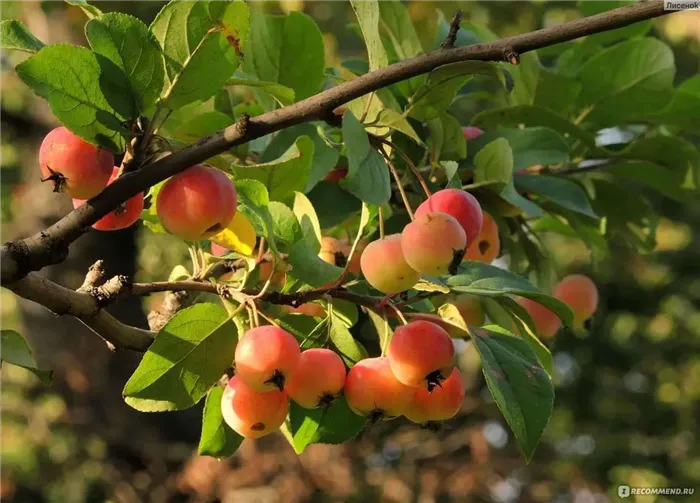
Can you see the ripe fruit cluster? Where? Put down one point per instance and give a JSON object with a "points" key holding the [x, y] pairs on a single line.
{"points": [[193, 205], [577, 291], [271, 369], [417, 379], [434, 243]]}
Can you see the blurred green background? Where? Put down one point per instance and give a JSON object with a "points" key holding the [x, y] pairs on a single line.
{"points": [[628, 390]]}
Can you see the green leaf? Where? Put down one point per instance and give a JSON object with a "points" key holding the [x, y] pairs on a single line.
{"points": [[339, 424], [134, 51], [673, 152], [396, 20], [394, 120], [527, 331], [325, 158], [342, 341], [90, 10], [285, 226], [653, 176], [639, 81], [15, 36], [303, 425], [308, 267], [203, 43], [519, 385], [15, 350], [367, 13], [560, 191], [368, 175], [530, 146], [494, 163], [308, 220], [253, 202], [285, 175], [287, 50], [283, 94], [70, 78], [482, 279], [494, 169], [556, 92], [218, 439], [531, 116], [590, 8], [526, 77], [197, 126], [334, 205], [444, 83], [188, 356], [446, 138]]}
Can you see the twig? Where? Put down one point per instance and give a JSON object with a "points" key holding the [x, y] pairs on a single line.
{"points": [[410, 164], [451, 37], [380, 211], [395, 174]]}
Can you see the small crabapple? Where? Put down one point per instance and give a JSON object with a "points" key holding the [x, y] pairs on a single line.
{"points": [[75, 166], [459, 204], [332, 251], [471, 132], [336, 174], [434, 243], [487, 244], [547, 323], [124, 216], [252, 414], [384, 267], [421, 353], [218, 250], [309, 309], [197, 203], [266, 357], [438, 405], [372, 390], [354, 265], [318, 380], [580, 294]]}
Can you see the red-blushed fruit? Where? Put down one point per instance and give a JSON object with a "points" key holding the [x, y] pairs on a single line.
{"points": [[318, 380], [384, 266], [434, 244], [471, 309], [197, 203], [372, 390], [76, 167], [459, 204], [438, 405], [277, 277], [421, 353], [332, 251], [580, 294], [487, 244], [266, 357], [218, 250], [471, 132], [546, 322], [252, 414], [335, 175], [126, 214]]}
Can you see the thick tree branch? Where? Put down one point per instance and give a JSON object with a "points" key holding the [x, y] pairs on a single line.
{"points": [[51, 245], [86, 308]]}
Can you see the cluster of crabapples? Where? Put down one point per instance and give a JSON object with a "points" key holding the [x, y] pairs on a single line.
{"points": [[193, 205], [417, 379]]}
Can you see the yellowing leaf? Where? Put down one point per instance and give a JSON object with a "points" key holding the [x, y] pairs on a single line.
{"points": [[238, 236]]}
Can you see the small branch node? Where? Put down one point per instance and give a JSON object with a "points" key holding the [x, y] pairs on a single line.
{"points": [[511, 56], [242, 124], [451, 37], [94, 277]]}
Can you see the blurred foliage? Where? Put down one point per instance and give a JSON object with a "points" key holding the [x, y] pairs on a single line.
{"points": [[628, 388]]}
